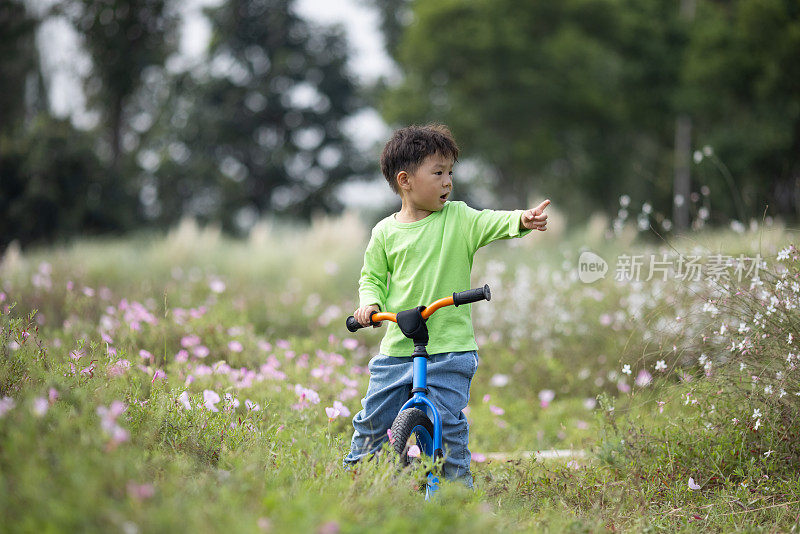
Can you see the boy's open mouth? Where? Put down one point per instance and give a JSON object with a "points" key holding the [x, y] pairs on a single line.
{"points": [[444, 197]]}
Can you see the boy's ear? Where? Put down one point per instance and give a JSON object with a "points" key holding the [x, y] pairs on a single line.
{"points": [[403, 180]]}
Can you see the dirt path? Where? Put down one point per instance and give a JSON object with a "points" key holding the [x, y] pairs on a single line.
{"points": [[550, 454]]}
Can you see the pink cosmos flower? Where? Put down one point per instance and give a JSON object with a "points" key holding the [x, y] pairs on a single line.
{"points": [[235, 346], [332, 413], [643, 378], [252, 406], [6, 404], [76, 354], [210, 400], [140, 492], [414, 452], [201, 351], [216, 285], [119, 368], [331, 527], [266, 346], [231, 401], [40, 406], [146, 355], [546, 396], [182, 356], [350, 343], [343, 411], [623, 386], [497, 410], [189, 341], [478, 457], [389, 433], [282, 344], [183, 398], [486, 398], [52, 395], [108, 422]]}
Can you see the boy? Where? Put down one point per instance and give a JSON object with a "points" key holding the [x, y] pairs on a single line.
{"points": [[414, 257]]}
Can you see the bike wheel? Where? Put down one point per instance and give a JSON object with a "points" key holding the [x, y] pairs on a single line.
{"points": [[412, 423]]}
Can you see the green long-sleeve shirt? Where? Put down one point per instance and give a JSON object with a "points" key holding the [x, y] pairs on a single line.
{"points": [[412, 264]]}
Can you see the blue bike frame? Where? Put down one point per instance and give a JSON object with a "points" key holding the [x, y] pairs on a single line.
{"points": [[428, 444]]}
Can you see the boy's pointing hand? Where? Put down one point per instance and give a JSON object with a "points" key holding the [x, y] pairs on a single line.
{"points": [[535, 219]]}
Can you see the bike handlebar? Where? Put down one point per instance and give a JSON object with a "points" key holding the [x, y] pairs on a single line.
{"points": [[457, 299]]}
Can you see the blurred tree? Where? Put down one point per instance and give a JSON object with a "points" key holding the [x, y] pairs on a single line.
{"points": [[742, 79], [533, 88], [259, 129], [124, 38], [53, 186], [19, 68], [586, 93]]}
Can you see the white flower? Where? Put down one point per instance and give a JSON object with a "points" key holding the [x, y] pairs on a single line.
{"points": [[624, 200], [779, 375], [789, 339], [768, 390], [784, 254], [498, 380], [626, 369], [756, 413], [660, 365], [768, 453], [758, 424], [183, 398], [697, 156], [743, 328], [702, 359], [722, 329], [781, 393], [692, 485], [742, 366]]}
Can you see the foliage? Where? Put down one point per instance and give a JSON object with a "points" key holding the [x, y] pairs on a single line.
{"points": [[54, 186]]}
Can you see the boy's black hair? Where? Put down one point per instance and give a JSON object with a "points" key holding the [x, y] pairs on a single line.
{"points": [[409, 147]]}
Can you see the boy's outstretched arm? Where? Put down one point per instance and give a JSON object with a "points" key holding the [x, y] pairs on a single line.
{"points": [[534, 218]]}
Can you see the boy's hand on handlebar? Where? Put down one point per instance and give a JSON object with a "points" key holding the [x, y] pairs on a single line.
{"points": [[362, 314]]}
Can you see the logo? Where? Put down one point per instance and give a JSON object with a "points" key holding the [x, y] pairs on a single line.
{"points": [[591, 267]]}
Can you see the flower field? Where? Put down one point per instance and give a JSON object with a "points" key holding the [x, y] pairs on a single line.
{"points": [[191, 382]]}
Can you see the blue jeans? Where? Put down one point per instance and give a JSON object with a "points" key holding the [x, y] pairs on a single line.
{"points": [[449, 378]]}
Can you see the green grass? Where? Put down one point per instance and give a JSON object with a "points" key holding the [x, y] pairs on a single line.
{"points": [[287, 292]]}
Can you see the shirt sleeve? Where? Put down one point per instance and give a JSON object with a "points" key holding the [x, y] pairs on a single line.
{"points": [[372, 286], [483, 227]]}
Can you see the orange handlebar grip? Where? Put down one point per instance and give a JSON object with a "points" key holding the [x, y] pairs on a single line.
{"points": [[386, 316], [441, 303]]}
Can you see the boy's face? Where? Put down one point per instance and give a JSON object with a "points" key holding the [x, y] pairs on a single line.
{"points": [[430, 185]]}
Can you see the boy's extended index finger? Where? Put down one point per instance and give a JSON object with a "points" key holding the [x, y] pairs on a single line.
{"points": [[543, 205]]}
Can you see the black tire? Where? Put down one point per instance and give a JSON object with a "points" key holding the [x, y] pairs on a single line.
{"points": [[403, 425]]}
